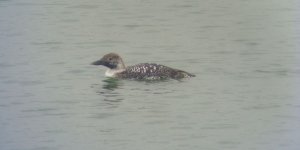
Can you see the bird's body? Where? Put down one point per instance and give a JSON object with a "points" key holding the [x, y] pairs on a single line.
{"points": [[143, 71]]}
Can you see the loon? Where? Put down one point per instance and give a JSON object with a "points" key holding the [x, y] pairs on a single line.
{"points": [[143, 71]]}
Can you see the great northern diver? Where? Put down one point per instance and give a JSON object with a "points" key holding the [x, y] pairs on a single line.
{"points": [[144, 71]]}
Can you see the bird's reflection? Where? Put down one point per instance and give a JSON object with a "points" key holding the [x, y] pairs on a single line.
{"points": [[108, 90], [111, 84]]}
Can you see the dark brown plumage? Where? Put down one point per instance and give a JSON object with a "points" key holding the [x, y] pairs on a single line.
{"points": [[143, 71]]}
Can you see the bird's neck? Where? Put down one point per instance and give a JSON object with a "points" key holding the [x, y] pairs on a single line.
{"points": [[113, 72], [121, 64], [120, 68]]}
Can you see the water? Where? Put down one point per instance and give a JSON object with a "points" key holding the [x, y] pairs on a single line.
{"points": [[245, 55]]}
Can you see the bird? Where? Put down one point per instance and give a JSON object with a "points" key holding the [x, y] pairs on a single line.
{"points": [[142, 71]]}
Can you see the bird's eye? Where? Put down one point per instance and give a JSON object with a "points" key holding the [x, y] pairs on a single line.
{"points": [[109, 58]]}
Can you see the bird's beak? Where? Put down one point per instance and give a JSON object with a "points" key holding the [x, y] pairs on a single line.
{"points": [[98, 62]]}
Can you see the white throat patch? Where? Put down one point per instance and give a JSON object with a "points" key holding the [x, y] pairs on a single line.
{"points": [[112, 72]]}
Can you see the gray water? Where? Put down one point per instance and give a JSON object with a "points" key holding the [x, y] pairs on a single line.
{"points": [[245, 55]]}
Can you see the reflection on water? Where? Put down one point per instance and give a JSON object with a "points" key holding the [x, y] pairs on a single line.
{"points": [[111, 83], [108, 90]]}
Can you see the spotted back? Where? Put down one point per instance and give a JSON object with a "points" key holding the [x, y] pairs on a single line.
{"points": [[152, 72]]}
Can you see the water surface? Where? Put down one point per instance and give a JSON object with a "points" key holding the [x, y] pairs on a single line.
{"points": [[245, 55]]}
